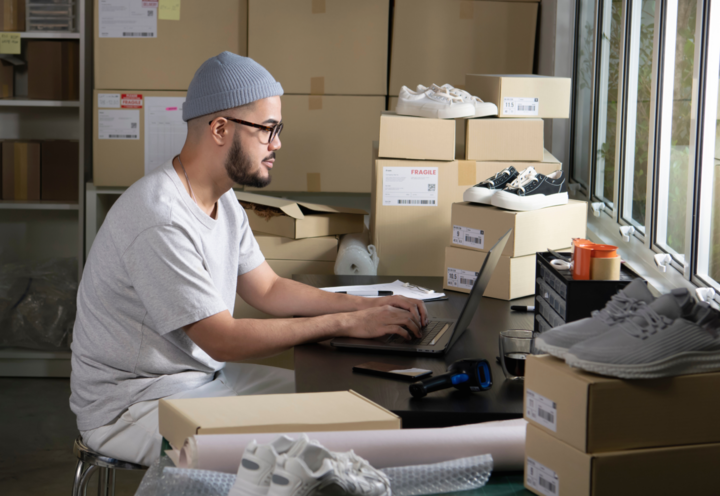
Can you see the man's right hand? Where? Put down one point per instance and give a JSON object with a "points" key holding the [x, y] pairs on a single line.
{"points": [[378, 321]]}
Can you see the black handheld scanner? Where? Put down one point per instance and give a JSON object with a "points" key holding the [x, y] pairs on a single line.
{"points": [[465, 375]]}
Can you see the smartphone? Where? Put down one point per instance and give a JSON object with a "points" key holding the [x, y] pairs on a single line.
{"points": [[391, 371]]}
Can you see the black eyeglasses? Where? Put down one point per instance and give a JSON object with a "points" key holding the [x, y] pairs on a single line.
{"points": [[274, 130]]}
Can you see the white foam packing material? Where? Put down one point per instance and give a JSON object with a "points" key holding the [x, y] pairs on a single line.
{"points": [[463, 474], [355, 257]]}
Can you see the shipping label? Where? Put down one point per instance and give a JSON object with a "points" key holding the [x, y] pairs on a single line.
{"points": [[472, 238], [131, 100], [127, 19], [410, 186], [108, 100], [541, 478], [464, 279], [541, 410], [520, 106], [165, 131], [119, 124]]}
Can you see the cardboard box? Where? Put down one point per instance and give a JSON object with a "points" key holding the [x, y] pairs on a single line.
{"points": [[279, 248], [297, 412], [121, 162], [59, 165], [322, 47], [297, 220], [169, 61], [7, 79], [512, 278], [12, 15], [21, 170], [523, 96], [53, 69], [439, 42], [416, 138], [548, 165], [554, 468], [594, 414], [533, 231], [505, 139], [325, 143]]}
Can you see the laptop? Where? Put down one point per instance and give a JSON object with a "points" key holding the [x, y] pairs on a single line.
{"points": [[438, 335]]}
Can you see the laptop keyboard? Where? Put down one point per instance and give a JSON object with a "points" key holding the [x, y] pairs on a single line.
{"points": [[428, 334]]}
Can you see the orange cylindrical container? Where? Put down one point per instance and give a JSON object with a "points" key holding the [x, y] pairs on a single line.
{"points": [[582, 257]]}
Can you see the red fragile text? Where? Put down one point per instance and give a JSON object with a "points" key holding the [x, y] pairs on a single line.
{"points": [[424, 172]]}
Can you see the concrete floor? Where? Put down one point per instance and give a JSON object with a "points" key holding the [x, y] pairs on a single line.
{"points": [[37, 430]]}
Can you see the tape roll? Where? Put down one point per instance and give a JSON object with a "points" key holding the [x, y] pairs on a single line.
{"points": [[605, 269]]}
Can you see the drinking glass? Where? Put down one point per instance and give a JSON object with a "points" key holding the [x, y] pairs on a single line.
{"points": [[515, 346]]}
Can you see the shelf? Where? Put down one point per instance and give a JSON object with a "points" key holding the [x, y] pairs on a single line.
{"points": [[27, 102], [14, 353], [49, 35], [36, 205]]}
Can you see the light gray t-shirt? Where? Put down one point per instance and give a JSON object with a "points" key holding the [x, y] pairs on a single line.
{"points": [[157, 264]]}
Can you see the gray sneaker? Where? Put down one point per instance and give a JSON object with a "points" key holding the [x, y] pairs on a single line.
{"points": [[672, 336], [558, 341]]}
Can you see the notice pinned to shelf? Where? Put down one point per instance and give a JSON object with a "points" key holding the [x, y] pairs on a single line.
{"points": [[119, 124], [165, 131], [10, 43], [169, 10], [123, 19]]}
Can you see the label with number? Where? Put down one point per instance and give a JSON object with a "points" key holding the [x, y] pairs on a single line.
{"points": [[520, 106], [464, 236], [541, 410], [463, 279], [541, 478]]}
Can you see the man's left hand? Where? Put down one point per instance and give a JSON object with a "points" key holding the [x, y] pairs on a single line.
{"points": [[415, 307]]}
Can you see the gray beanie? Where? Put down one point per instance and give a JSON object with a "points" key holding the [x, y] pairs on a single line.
{"points": [[228, 81]]}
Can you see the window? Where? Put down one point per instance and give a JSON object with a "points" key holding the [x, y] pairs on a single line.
{"points": [[583, 92]]}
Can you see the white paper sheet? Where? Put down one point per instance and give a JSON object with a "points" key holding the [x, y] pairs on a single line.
{"points": [[396, 287], [127, 19], [504, 440], [410, 186], [165, 131], [119, 124]]}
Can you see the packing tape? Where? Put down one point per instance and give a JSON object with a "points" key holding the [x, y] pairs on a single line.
{"points": [[21, 171], [314, 102], [467, 10], [466, 173], [318, 6], [313, 182], [605, 269], [317, 85]]}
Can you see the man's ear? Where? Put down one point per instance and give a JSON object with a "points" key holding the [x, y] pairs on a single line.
{"points": [[220, 131]]}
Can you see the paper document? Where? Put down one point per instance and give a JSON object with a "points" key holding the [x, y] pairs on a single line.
{"points": [[165, 131], [127, 19], [396, 287], [119, 124]]}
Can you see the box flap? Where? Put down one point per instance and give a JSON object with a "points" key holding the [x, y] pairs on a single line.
{"points": [[292, 208]]}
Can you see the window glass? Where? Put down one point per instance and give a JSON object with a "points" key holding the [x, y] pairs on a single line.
{"points": [[583, 91]]}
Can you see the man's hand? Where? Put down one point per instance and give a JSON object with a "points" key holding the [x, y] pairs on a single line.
{"points": [[416, 307], [388, 315]]}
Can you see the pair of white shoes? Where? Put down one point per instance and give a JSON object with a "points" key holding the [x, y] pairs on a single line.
{"points": [[442, 102], [301, 467]]}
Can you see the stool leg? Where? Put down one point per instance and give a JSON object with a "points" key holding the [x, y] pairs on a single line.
{"points": [[102, 482], [78, 478], [85, 479], [111, 482]]}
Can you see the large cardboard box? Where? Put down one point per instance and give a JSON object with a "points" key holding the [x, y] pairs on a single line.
{"points": [[20, 170], [297, 412], [402, 136], [533, 231], [59, 165], [552, 468], [169, 60], [322, 47], [512, 278], [53, 69], [441, 41], [325, 143], [7, 79], [505, 139], [297, 220], [522, 96], [12, 15], [119, 134], [279, 248], [594, 414]]}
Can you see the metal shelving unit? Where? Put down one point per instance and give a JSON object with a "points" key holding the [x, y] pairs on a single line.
{"points": [[42, 205], [27, 102]]}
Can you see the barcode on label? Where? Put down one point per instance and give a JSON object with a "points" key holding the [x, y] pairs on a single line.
{"points": [[469, 282], [129, 136], [528, 108], [416, 202], [546, 415], [550, 486], [471, 239], [141, 35]]}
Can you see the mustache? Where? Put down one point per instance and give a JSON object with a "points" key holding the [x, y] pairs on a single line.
{"points": [[271, 156]]}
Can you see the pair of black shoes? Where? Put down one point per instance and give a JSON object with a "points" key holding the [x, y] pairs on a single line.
{"points": [[522, 191]]}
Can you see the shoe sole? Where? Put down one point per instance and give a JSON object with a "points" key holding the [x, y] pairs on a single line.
{"points": [[510, 201], [555, 351], [691, 362], [457, 112], [477, 195]]}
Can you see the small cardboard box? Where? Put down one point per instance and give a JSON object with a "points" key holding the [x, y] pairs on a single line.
{"points": [[7, 79], [21, 170], [505, 139], [523, 96], [512, 278], [552, 468], [533, 231], [440, 42], [322, 47], [402, 136], [12, 15], [278, 248], [595, 414], [297, 412], [59, 170], [53, 69], [169, 60], [298, 220]]}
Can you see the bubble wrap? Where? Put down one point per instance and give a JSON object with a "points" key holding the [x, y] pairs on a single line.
{"points": [[193, 482], [455, 475]]}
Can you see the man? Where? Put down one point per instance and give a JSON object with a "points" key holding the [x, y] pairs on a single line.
{"points": [[154, 304]]}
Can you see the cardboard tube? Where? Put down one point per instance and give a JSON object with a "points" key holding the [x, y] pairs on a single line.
{"points": [[605, 269]]}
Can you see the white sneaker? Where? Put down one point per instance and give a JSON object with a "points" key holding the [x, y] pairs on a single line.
{"points": [[258, 463], [317, 471], [482, 108], [433, 104]]}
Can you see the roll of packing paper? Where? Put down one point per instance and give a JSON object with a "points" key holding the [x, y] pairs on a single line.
{"points": [[504, 440], [355, 257]]}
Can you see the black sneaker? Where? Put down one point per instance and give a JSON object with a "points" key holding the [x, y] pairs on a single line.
{"points": [[484, 191], [533, 191]]}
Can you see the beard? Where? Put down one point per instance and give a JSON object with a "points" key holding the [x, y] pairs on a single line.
{"points": [[239, 167]]}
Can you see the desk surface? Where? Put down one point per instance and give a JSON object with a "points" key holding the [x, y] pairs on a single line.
{"points": [[320, 367]]}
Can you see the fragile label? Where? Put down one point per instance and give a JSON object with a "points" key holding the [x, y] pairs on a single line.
{"points": [[463, 279], [520, 106], [464, 236], [131, 100], [108, 100], [541, 410], [410, 186], [127, 19], [541, 478], [119, 124]]}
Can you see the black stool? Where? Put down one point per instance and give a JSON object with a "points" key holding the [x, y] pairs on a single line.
{"points": [[89, 462]]}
